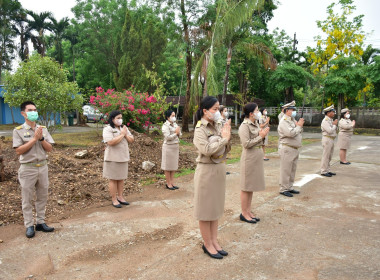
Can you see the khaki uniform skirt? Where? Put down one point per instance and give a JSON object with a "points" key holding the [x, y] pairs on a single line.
{"points": [[115, 170], [252, 170], [170, 157], [344, 140], [209, 191]]}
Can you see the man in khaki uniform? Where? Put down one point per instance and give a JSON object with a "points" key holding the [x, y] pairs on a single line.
{"points": [[31, 142], [290, 140], [328, 127], [282, 113]]}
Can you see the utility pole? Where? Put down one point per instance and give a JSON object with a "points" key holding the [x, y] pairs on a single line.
{"points": [[295, 42]]}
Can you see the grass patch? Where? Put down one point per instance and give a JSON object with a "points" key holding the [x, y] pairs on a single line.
{"points": [[8, 126], [182, 172], [148, 181], [185, 143], [82, 139]]}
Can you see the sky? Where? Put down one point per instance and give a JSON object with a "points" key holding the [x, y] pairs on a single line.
{"points": [[294, 16]]}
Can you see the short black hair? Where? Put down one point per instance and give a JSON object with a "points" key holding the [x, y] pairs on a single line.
{"points": [[168, 113], [221, 108], [290, 108], [330, 111], [342, 115], [24, 104], [111, 117], [262, 110]]}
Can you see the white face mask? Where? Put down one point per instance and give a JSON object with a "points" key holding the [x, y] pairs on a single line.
{"points": [[294, 114], [215, 116], [348, 116], [265, 113], [257, 115], [225, 114], [173, 119], [119, 122]]}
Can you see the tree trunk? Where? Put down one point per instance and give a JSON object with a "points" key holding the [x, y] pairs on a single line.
{"points": [[340, 102], [185, 117], [13, 117], [226, 76], [291, 94]]}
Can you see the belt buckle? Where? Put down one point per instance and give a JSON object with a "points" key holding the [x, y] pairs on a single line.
{"points": [[38, 165]]}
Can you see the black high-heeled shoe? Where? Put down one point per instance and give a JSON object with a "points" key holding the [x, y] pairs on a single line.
{"points": [[176, 187], [214, 256], [223, 253]]}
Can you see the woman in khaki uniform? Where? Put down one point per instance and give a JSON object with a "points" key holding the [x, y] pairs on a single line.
{"points": [[224, 114], [346, 129], [264, 123], [170, 148], [251, 164], [212, 141], [116, 156]]}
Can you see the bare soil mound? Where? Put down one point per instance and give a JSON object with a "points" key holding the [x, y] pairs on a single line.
{"points": [[78, 183]]}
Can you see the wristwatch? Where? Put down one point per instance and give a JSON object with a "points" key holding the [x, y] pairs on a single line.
{"points": [[42, 139]]}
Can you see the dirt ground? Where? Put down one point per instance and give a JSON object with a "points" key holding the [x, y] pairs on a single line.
{"points": [[77, 184], [329, 231]]}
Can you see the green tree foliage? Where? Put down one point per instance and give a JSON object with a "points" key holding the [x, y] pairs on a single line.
{"points": [[344, 80], [142, 44], [42, 80], [8, 11], [39, 23], [98, 26], [373, 72], [58, 28], [289, 75]]}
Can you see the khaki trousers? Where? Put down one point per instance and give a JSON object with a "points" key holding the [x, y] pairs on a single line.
{"points": [[288, 166], [33, 178], [328, 150]]}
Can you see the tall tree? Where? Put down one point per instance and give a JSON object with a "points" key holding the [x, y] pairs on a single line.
{"points": [[23, 31], [58, 28], [142, 44], [39, 23], [8, 11]]}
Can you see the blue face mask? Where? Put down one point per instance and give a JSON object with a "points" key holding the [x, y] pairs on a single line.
{"points": [[294, 114], [32, 116]]}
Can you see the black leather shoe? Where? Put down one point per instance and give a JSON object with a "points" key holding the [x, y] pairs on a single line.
{"points": [[228, 173], [294, 191], [116, 205], [257, 219], [30, 232], [242, 218], [223, 253], [172, 188], [123, 202], [346, 163], [215, 256], [44, 227], [326, 174], [176, 187], [332, 173], [286, 193]]}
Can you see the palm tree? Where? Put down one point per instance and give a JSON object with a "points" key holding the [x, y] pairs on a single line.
{"points": [[58, 28], [39, 23], [23, 30]]}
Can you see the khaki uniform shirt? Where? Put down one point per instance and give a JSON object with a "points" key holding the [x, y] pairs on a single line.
{"points": [[168, 130], [249, 134], [118, 152], [290, 134], [23, 134], [328, 129], [262, 120], [345, 126], [280, 116], [206, 150]]}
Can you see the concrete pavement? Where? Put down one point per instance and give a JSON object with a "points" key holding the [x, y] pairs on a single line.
{"points": [[329, 231]]}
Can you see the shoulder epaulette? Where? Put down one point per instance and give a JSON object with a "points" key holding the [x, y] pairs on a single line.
{"points": [[199, 123], [245, 121], [19, 127], [42, 126]]}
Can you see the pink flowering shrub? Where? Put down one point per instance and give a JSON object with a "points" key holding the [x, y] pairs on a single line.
{"points": [[139, 110]]}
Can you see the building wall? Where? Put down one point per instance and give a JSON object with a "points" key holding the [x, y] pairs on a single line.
{"points": [[5, 111]]}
